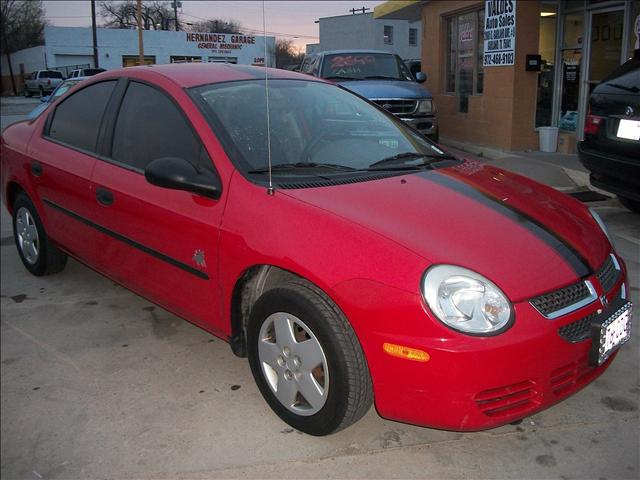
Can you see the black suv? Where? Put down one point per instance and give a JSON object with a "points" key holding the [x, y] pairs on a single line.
{"points": [[611, 146]]}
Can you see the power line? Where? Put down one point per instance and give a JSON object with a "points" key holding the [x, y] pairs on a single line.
{"points": [[256, 30]]}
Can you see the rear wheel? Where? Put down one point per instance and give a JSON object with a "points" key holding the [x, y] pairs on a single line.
{"points": [[37, 253], [631, 204], [26, 92], [307, 361], [41, 92]]}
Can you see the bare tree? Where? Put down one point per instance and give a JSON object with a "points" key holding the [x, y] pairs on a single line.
{"points": [[216, 25], [286, 55], [22, 24], [156, 15]]}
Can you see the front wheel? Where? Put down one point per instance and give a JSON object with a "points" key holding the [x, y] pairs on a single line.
{"points": [[307, 361], [37, 253]]}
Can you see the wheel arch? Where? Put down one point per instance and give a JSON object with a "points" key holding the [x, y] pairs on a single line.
{"points": [[253, 282], [12, 192]]}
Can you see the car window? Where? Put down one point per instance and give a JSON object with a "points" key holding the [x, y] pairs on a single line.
{"points": [[76, 120], [51, 74], [364, 65], [150, 126]]}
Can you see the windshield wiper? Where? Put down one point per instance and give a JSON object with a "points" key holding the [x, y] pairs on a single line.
{"points": [[405, 156], [339, 77], [303, 166], [381, 77]]}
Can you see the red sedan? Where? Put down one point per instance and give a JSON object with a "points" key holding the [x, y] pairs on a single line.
{"points": [[348, 257]]}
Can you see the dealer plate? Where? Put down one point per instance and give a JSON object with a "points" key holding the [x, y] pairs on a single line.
{"points": [[629, 129], [610, 334]]}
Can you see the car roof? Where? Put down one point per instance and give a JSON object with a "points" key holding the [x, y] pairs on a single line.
{"points": [[189, 75]]}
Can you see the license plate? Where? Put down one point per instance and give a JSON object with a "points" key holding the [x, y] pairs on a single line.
{"points": [[610, 334], [629, 129]]}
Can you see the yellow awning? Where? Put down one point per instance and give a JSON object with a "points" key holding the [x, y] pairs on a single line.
{"points": [[410, 10]]}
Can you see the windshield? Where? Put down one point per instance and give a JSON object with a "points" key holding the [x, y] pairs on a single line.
{"points": [[310, 122], [362, 66]]}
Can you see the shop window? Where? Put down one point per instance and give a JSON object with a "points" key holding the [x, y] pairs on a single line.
{"points": [[223, 59], [464, 74], [547, 51], [571, 58], [413, 36], [133, 60], [388, 34], [184, 59]]}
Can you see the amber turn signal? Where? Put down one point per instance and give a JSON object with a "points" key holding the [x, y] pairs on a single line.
{"points": [[405, 352]]}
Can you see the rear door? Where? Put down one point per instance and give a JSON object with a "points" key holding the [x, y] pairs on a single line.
{"points": [[63, 159], [158, 242]]}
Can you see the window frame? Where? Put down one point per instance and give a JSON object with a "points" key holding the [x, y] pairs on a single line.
{"points": [[450, 27], [387, 39], [415, 37], [101, 127], [110, 129]]}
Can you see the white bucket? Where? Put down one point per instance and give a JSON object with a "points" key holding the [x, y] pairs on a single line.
{"points": [[548, 139]]}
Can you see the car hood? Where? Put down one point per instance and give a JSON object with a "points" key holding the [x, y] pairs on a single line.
{"points": [[525, 237], [387, 89]]}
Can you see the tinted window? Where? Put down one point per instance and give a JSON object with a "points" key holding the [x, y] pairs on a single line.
{"points": [[50, 74], [364, 66], [77, 119], [149, 127]]}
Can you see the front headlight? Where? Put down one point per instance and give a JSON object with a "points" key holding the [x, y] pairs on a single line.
{"points": [[426, 106], [466, 301], [601, 224]]}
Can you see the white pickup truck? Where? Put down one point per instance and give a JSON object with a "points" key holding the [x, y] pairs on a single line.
{"points": [[42, 82]]}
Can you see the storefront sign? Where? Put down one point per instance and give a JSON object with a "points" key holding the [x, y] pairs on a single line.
{"points": [[499, 32], [220, 42]]}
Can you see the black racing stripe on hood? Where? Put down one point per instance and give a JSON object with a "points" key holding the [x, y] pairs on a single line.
{"points": [[576, 261]]}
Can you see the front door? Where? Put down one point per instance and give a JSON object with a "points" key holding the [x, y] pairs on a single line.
{"points": [[158, 242]]}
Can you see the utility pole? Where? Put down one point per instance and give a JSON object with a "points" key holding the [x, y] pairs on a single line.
{"points": [[140, 42], [95, 34], [175, 12]]}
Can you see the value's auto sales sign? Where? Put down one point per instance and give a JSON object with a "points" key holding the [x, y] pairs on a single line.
{"points": [[499, 32]]}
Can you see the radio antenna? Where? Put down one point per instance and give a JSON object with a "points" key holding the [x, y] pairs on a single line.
{"points": [[266, 89]]}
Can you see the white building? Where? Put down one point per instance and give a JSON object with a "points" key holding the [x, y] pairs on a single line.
{"points": [[362, 31], [66, 48]]}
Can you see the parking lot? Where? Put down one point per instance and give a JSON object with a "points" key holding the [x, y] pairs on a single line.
{"points": [[99, 383]]}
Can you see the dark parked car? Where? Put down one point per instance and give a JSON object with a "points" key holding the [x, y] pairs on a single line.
{"points": [[611, 146]]}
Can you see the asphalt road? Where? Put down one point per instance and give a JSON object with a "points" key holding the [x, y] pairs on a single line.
{"points": [[98, 383]]}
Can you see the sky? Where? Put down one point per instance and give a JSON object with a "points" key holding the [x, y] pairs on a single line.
{"points": [[292, 19]]}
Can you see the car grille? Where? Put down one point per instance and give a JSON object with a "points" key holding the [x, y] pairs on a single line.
{"points": [[554, 304], [608, 274], [577, 331], [508, 400], [397, 106]]}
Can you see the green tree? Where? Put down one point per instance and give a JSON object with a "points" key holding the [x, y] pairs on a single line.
{"points": [[22, 24]]}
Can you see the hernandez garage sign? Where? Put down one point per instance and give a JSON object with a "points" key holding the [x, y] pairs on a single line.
{"points": [[499, 32]]}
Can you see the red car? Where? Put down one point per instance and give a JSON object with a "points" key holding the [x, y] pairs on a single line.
{"points": [[367, 264]]}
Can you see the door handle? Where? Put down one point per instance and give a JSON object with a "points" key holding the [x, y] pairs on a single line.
{"points": [[104, 197], [36, 169]]}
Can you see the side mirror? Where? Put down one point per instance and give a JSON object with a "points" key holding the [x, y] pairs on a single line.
{"points": [[45, 99], [178, 174], [421, 77]]}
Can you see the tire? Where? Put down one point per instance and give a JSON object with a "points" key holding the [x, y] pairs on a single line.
{"points": [[27, 93], [631, 204], [37, 253], [331, 365], [41, 90]]}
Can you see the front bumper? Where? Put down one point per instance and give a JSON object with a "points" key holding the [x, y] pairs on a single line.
{"points": [[427, 125], [477, 383], [610, 172]]}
